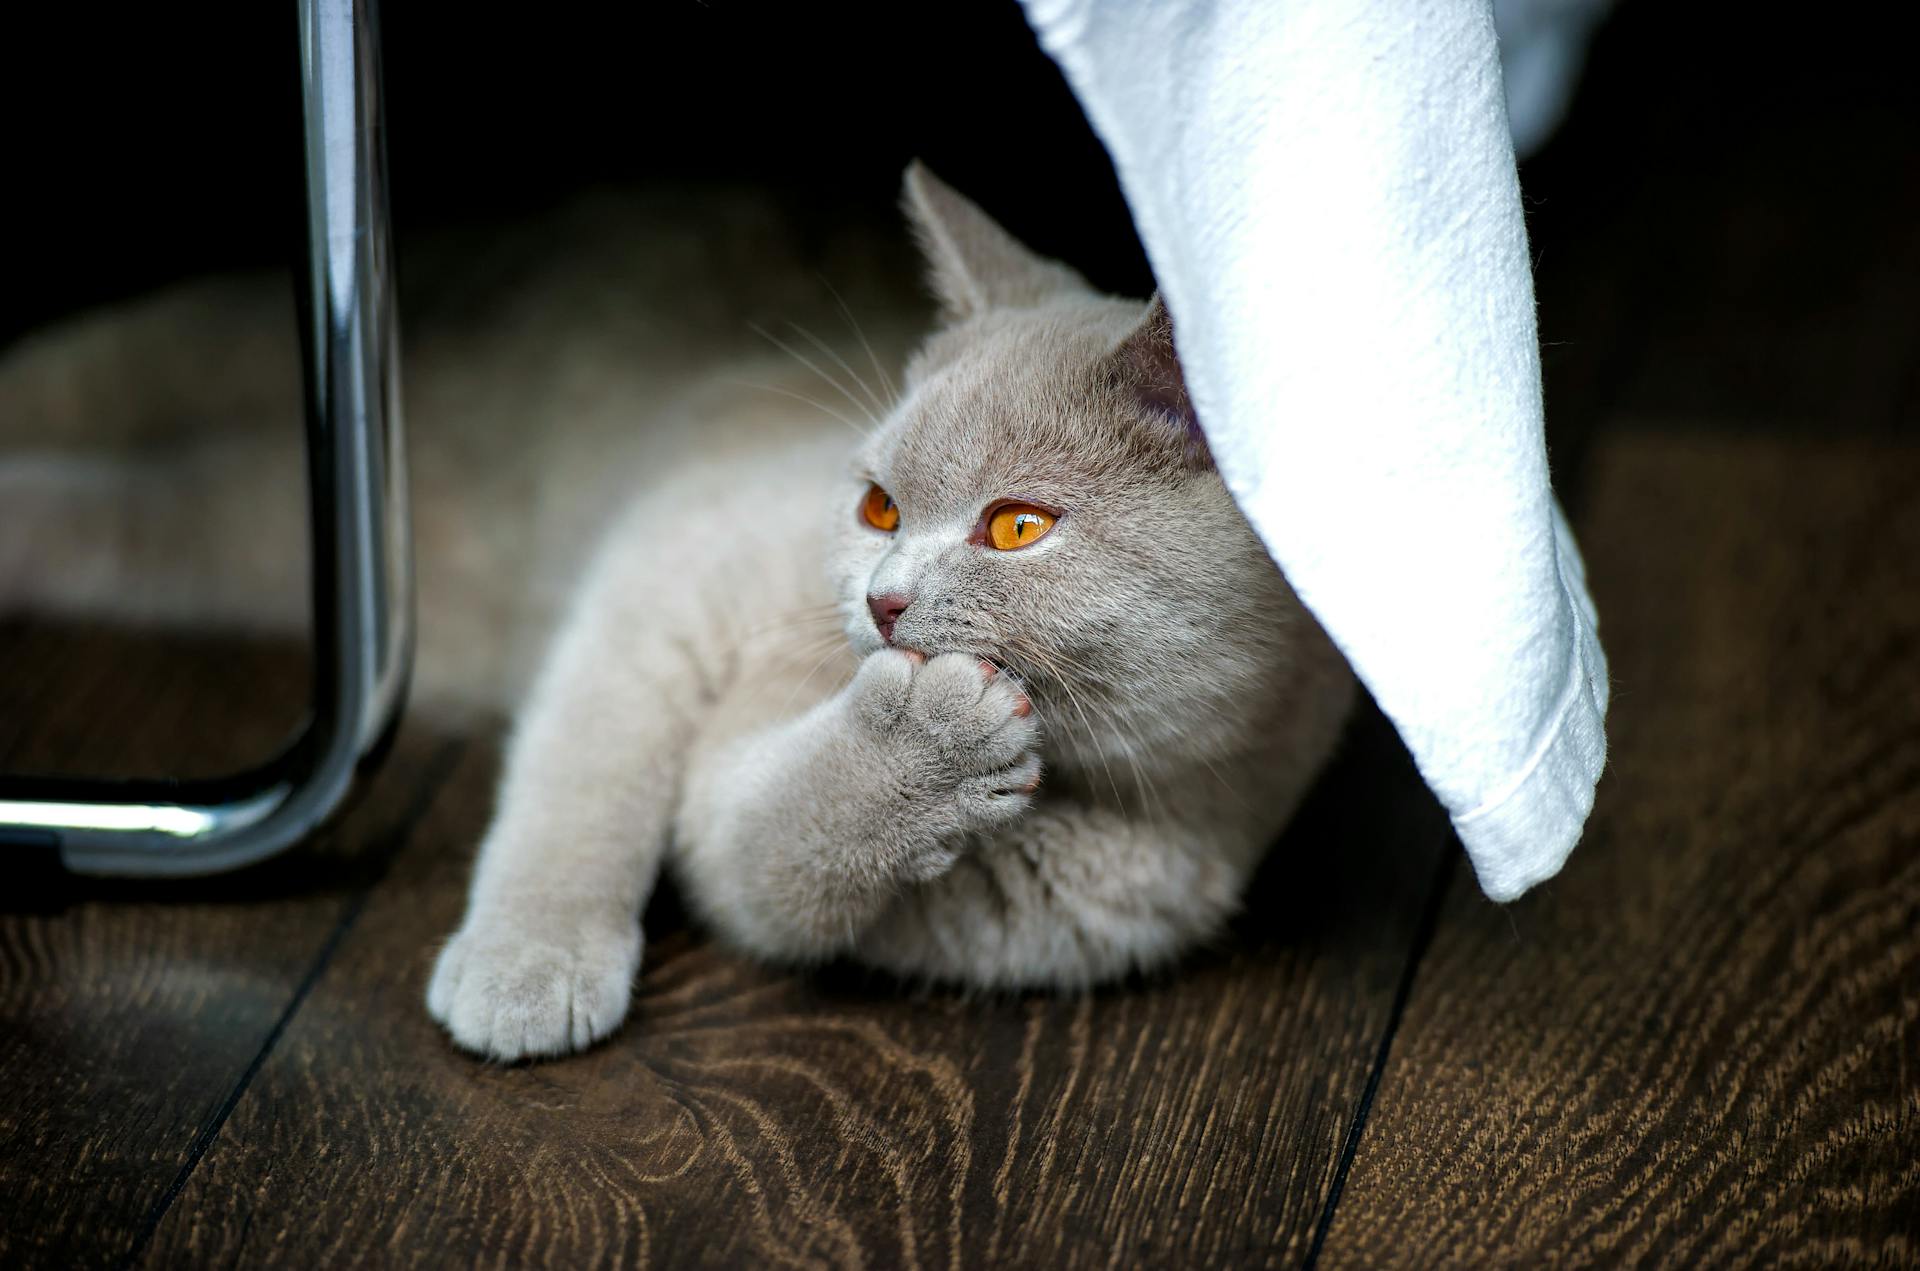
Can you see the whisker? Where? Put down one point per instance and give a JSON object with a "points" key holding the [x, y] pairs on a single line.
{"points": [[1056, 678], [1099, 752], [808, 678], [1131, 745], [856, 429], [807, 362], [886, 381], [804, 613], [812, 625], [1226, 785], [814, 654], [841, 362]]}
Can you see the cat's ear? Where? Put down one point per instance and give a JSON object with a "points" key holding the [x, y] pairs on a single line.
{"points": [[1146, 367], [973, 265]]}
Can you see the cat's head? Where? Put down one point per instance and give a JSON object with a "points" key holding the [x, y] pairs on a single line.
{"points": [[1041, 496]]}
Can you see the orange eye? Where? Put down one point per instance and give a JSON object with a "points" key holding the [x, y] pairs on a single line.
{"points": [[877, 510], [1017, 524]]}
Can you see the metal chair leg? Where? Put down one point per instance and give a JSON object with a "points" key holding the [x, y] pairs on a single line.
{"points": [[362, 568]]}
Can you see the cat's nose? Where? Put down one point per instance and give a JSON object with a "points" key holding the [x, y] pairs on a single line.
{"points": [[886, 611]]}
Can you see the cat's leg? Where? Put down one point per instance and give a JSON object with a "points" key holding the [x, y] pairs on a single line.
{"points": [[1070, 896], [545, 959], [794, 840]]}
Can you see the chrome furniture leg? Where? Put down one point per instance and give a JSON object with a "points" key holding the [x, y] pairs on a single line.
{"points": [[362, 580]]}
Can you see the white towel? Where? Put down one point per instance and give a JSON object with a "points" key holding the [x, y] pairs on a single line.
{"points": [[1326, 191]]}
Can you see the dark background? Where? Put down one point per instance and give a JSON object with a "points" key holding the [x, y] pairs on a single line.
{"points": [[153, 142], [171, 146]]}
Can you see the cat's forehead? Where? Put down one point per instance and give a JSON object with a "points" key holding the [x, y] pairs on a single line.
{"points": [[1006, 408]]}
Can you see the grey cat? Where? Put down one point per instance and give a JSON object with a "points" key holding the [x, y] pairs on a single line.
{"points": [[1005, 693], [1073, 704]]}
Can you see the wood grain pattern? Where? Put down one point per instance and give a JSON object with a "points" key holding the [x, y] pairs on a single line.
{"points": [[129, 1013], [751, 1117], [1698, 1045]]}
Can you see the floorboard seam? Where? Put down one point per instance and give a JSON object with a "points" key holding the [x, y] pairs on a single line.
{"points": [[431, 783], [1416, 953]]}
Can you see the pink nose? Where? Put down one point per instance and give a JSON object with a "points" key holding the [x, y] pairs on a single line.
{"points": [[886, 611]]}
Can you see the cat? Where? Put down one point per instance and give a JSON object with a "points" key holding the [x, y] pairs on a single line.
{"points": [[995, 687], [1069, 703]]}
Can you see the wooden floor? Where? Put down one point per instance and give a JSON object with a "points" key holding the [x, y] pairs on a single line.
{"points": [[1700, 1045]]}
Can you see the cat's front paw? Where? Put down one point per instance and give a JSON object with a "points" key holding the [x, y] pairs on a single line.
{"points": [[962, 735], [509, 992]]}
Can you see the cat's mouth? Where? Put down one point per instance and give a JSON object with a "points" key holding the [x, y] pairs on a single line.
{"points": [[922, 647], [1011, 656], [935, 648]]}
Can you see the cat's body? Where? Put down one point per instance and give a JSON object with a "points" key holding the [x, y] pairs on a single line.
{"points": [[895, 739]]}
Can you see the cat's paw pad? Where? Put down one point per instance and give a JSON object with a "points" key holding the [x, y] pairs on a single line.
{"points": [[508, 994]]}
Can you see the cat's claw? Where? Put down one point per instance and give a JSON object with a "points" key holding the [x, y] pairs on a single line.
{"points": [[507, 994]]}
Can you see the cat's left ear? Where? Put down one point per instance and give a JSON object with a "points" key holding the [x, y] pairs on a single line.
{"points": [[1146, 368], [973, 265]]}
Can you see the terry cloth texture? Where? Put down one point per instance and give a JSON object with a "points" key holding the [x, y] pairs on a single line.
{"points": [[1326, 190]]}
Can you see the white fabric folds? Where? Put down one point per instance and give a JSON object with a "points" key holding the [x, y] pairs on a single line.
{"points": [[1326, 190]]}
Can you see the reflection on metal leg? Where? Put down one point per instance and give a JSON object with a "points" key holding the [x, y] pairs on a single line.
{"points": [[362, 583]]}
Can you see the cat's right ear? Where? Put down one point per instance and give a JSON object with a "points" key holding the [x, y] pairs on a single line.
{"points": [[973, 265], [1147, 368]]}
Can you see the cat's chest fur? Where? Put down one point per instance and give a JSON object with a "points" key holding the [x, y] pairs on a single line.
{"points": [[725, 565]]}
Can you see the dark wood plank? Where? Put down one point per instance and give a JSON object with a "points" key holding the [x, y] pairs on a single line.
{"points": [[105, 702], [131, 1012], [1697, 1045], [751, 1117]]}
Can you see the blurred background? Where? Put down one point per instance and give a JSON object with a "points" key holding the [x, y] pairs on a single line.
{"points": [[1726, 226]]}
